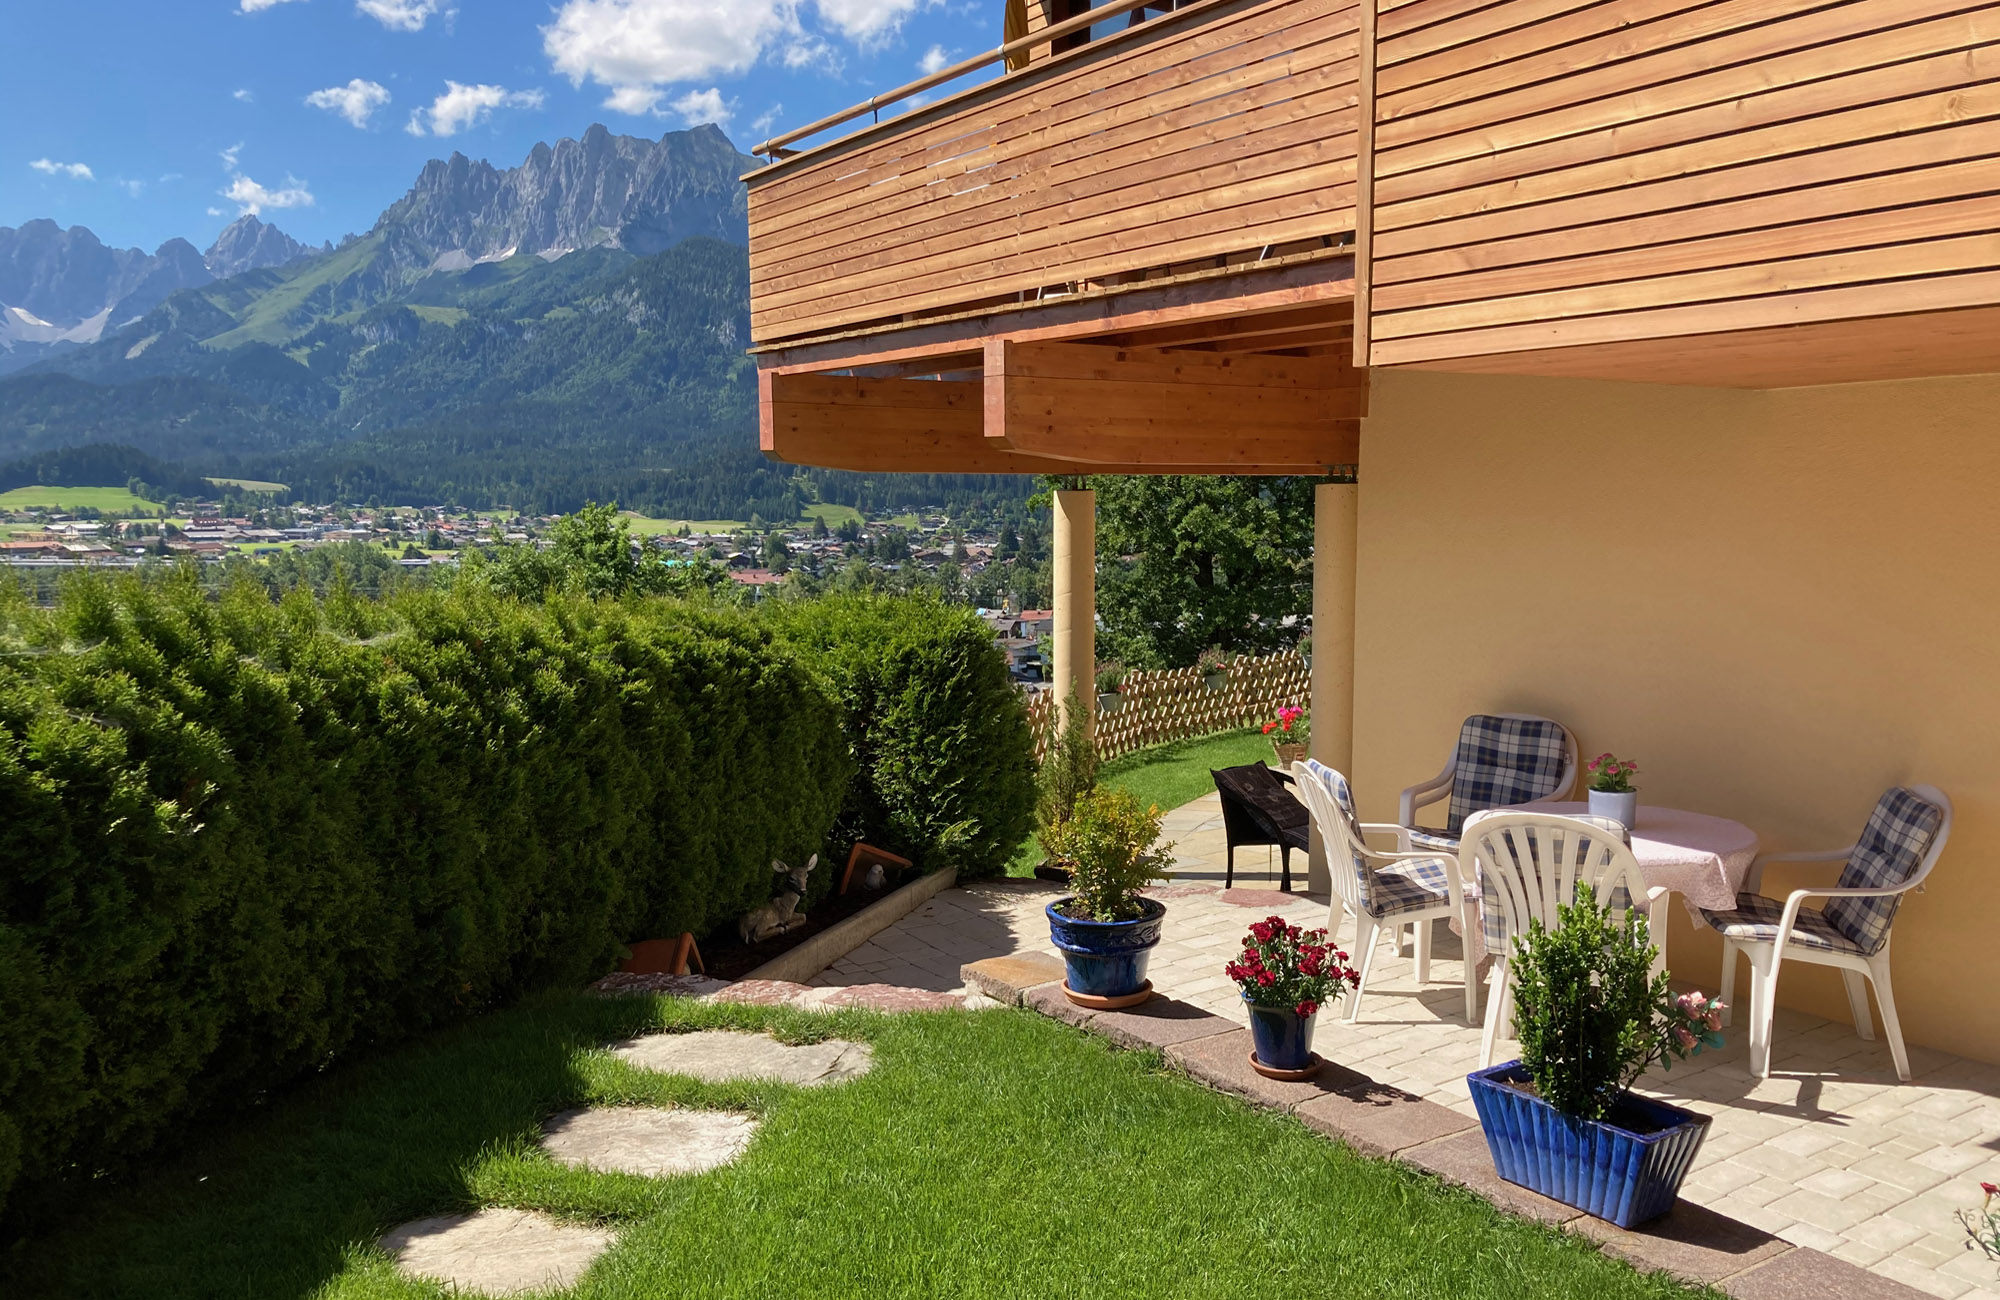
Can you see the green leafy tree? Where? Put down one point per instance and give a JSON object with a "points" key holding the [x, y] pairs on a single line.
{"points": [[1202, 561]]}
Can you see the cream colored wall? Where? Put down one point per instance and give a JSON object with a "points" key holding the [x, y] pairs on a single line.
{"points": [[1779, 603]]}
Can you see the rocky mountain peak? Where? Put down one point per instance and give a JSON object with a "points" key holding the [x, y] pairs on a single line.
{"points": [[249, 244]]}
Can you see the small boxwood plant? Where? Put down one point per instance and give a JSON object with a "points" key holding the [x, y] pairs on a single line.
{"points": [[1591, 1015], [1112, 846]]}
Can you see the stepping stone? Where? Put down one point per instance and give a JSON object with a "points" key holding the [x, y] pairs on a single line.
{"points": [[685, 986], [716, 1055], [647, 1140], [498, 1252]]}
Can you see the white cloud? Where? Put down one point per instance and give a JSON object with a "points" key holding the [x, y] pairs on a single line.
{"points": [[170, 178], [767, 119], [251, 198], [698, 106], [812, 52], [635, 47], [244, 97], [634, 99], [230, 155], [869, 21], [215, 212], [356, 101], [75, 171], [461, 107], [252, 6], [934, 60], [134, 188], [402, 15]]}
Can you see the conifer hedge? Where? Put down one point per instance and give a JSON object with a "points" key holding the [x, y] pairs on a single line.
{"points": [[239, 838], [945, 768]]}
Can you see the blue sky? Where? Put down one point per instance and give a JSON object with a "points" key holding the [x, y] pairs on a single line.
{"points": [[146, 119]]}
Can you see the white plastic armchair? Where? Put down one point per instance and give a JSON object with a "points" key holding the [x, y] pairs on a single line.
{"points": [[1817, 943], [1428, 887], [1528, 865], [1439, 787]]}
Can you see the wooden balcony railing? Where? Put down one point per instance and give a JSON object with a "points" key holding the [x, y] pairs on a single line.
{"points": [[1702, 191], [1225, 131]]}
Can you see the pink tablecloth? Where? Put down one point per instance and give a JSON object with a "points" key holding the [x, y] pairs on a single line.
{"points": [[1703, 859]]}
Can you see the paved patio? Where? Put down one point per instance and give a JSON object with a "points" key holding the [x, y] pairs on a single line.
{"points": [[1831, 1152]]}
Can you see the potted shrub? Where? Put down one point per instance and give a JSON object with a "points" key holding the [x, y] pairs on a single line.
{"points": [[1214, 666], [1110, 679], [1291, 735], [1612, 793], [1563, 1120], [1286, 975], [1065, 776], [1106, 930]]}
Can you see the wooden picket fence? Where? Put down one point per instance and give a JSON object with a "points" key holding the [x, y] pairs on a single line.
{"points": [[1179, 704]]}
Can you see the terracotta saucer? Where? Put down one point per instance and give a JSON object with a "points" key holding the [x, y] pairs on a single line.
{"points": [[1096, 1003], [1287, 1076]]}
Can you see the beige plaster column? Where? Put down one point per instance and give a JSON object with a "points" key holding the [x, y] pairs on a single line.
{"points": [[1334, 541], [1075, 582]]}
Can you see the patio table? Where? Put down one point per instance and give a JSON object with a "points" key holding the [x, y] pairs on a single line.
{"points": [[1704, 859]]}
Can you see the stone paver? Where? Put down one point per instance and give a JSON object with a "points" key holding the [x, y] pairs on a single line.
{"points": [[719, 1055], [498, 1252], [651, 1141], [1831, 1153]]}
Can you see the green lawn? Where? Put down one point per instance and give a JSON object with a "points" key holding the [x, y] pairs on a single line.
{"points": [[1167, 775], [107, 499], [990, 1153], [835, 515], [249, 484]]}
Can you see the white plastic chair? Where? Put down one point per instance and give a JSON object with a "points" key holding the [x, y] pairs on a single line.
{"points": [[1528, 864], [1415, 888], [1901, 843], [1472, 786]]}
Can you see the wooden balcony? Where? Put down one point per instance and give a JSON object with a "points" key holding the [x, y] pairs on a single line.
{"points": [[1756, 193], [1220, 135]]}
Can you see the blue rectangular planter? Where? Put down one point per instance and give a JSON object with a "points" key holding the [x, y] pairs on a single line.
{"points": [[1601, 1169]]}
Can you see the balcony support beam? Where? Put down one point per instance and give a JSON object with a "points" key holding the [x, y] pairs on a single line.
{"points": [[1074, 580], [1090, 405], [1335, 542]]}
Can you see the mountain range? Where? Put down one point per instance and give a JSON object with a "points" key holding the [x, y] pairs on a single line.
{"points": [[572, 328]]}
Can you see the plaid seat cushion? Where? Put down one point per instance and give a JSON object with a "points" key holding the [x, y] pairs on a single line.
{"points": [[1755, 920], [1411, 886], [1891, 848], [1437, 841], [1408, 886], [1502, 762]]}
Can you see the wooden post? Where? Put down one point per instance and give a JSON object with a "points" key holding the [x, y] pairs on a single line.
{"points": [[1075, 582], [1334, 537]]}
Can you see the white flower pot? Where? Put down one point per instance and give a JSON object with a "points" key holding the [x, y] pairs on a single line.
{"points": [[1621, 807]]}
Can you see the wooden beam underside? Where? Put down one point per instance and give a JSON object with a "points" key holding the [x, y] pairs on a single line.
{"points": [[1089, 404], [919, 426]]}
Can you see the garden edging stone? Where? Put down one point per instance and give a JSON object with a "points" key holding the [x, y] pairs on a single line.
{"points": [[831, 944]]}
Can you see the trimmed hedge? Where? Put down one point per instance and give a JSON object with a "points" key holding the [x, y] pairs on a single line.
{"points": [[240, 839], [938, 731]]}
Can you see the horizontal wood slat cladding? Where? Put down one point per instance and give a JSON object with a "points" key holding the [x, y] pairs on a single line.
{"points": [[1230, 126], [1584, 188]]}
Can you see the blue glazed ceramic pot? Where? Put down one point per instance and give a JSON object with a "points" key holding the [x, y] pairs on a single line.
{"points": [[1283, 1038], [1626, 1175], [1107, 959]]}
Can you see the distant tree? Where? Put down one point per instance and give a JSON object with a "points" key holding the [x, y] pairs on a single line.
{"points": [[777, 555], [1009, 545], [819, 527], [1207, 561]]}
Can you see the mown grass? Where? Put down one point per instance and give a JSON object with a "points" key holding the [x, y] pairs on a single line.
{"points": [[108, 499], [1167, 776], [989, 1154]]}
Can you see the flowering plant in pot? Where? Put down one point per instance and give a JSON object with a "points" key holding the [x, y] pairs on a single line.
{"points": [[1592, 1018], [1106, 929], [1291, 735], [1286, 975], [1612, 793], [1214, 668]]}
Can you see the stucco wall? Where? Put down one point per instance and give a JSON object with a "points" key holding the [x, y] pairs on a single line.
{"points": [[1779, 603]]}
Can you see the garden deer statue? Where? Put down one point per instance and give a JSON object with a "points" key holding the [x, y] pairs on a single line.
{"points": [[781, 913]]}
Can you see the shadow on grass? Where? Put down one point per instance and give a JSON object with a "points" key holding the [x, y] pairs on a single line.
{"points": [[284, 1200]]}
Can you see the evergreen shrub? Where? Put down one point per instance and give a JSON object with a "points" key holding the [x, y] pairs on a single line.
{"points": [[944, 761], [241, 839]]}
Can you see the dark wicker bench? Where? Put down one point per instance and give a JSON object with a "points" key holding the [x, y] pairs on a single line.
{"points": [[1257, 808]]}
